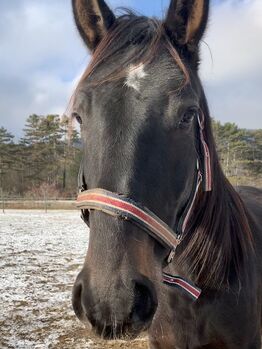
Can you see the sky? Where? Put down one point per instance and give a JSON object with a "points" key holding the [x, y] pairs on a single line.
{"points": [[42, 58]]}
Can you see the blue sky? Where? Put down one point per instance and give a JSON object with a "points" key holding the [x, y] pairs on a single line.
{"points": [[42, 58]]}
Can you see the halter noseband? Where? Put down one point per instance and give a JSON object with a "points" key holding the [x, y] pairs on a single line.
{"points": [[125, 208]]}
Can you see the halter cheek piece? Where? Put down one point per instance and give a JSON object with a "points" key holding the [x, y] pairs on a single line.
{"points": [[125, 208]]}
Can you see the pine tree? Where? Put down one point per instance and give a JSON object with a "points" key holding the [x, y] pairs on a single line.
{"points": [[48, 155], [6, 155]]}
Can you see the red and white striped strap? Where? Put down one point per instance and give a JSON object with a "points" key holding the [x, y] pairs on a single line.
{"points": [[176, 281], [185, 219], [124, 208]]}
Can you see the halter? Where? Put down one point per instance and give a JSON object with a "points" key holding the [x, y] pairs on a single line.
{"points": [[124, 208]]}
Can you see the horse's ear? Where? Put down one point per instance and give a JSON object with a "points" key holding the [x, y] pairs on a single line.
{"points": [[93, 19], [186, 20]]}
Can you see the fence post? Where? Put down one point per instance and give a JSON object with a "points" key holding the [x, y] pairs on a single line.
{"points": [[3, 200], [45, 202]]}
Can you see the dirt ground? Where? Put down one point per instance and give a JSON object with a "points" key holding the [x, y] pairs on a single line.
{"points": [[95, 343], [40, 257], [79, 338]]}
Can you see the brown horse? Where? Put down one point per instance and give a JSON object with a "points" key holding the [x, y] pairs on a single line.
{"points": [[147, 142]]}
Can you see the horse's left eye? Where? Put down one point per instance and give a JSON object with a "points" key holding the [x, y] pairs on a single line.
{"points": [[188, 117], [77, 117]]}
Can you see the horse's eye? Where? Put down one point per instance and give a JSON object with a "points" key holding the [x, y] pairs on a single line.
{"points": [[188, 117], [77, 117]]}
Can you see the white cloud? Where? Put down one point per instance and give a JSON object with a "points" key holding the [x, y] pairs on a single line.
{"points": [[233, 80], [234, 37]]}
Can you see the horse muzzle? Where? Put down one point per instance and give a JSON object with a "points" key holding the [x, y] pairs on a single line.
{"points": [[125, 309]]}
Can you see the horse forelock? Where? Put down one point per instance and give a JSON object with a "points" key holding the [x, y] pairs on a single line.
{"points": [[143, 44]]}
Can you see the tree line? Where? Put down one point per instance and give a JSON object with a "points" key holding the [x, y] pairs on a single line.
{"points": [[240, 152], [46, 160]]}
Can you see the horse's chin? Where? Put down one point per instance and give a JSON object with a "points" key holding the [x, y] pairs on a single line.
{"points": [[121, 332]]}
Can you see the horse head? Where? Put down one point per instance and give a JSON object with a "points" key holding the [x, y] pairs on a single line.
{"points": [[140, 104]]}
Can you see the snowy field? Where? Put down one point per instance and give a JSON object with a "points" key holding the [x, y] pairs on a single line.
{"points": [[40, 256]]}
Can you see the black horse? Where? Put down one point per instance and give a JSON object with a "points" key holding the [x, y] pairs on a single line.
{"points": [[147, 135]]}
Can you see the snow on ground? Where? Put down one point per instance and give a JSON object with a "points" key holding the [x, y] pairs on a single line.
{"points": [[40, 257]]}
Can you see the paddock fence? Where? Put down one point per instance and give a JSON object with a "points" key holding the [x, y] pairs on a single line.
{"points": [[18, 203]]}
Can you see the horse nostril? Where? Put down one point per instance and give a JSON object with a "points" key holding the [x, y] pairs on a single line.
{"points": [[145, 303], [76, 300]]}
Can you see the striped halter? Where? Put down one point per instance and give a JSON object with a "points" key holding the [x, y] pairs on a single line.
{"points": [[127, 209]]}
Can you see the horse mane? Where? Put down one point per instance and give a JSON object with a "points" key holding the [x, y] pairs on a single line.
{"points": [[218, 241]]}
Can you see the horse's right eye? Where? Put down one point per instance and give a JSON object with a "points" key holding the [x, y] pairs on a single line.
{"points": [[189, 116], [77, 117]]}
